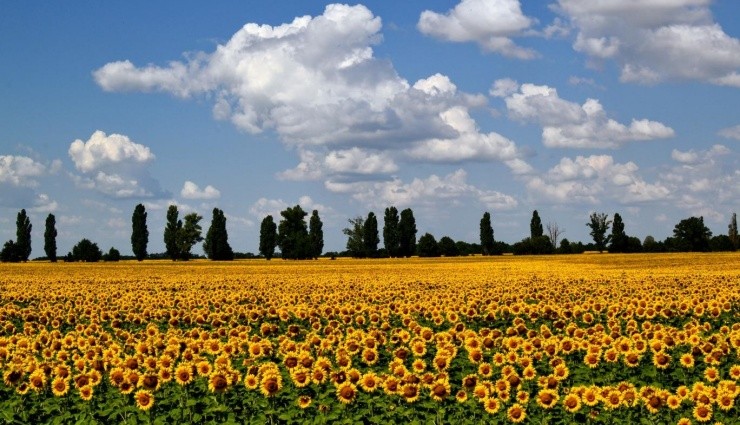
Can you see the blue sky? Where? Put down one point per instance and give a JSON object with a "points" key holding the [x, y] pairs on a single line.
{"points": [[450, 108]]}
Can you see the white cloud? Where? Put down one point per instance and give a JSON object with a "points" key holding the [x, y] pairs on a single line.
{"points": [[490, 23], [730, 132], [20, 171], [264, 207], [570, 125], [102, 149], [655, 40], [43, 204], [191, 190], [688, 157], [450, 189], [359, 161], [593, 179]]}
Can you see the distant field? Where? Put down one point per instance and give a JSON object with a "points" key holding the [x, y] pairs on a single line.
{"points": [[551, 339]]}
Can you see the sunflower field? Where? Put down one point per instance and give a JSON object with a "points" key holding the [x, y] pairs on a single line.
{"points": [[610, 339]]}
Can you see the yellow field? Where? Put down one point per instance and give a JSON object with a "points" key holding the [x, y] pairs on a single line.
{"points": [[560, 339]]}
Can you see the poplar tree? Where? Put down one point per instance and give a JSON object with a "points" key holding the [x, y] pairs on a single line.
{"points": [[619, 239], [172, 228], [216, 244], [268, 237], [486, 234], [139, 232], [316, 234], [732, 231], [370, 235], [391, 235], [23, 236], [407, 233], [535, 226], [50, 238]]}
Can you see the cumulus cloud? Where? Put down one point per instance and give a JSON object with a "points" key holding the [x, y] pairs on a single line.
{"points": [[655, 40], [730, 132], [114, 165], [452, 188], [593, 179], [265, 206], [490, 23], [20, 171], [191, 190], [567, 124]]}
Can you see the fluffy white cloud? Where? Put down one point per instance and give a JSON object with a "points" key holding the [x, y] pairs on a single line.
{"points": [[593, 179], [44, 204], [359, 161], [655, 40], [490, 23], [264, 207], [20, 171], [731, 132], [191, 190], [567, 124], [101, 150], [452, 189]]}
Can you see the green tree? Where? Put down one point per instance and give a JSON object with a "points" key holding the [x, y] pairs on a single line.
{"points": [[23, 236], [355, 234], [407, 234], [486, 234], [50, 238], [619, 239], [599, 225], [139, 232], [732, 231], [86, 251], [293, 234], [188, 235], [428, 246], [268, 237], [535, 226], [216, 244], [391, 236], [112, 255], [316, 234], [10, 254], [171, 230], [370, 236], [692, 235], [448, 247]]}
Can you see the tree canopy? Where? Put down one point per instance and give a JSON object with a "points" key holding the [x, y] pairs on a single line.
{"points": [[486, 234], [50, 238], [316, 234], [216, 244], [599, 225], [692, 235], [391, 235], [407, 234], [139, 232], [293, 234], [268, 237]]}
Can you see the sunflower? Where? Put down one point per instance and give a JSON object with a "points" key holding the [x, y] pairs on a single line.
{"points": [[516, 413], [319, 375], [590, 396], [687, 361], [410, 392], [304, 401], [726, 401], [485, 370], [37, 380], [370, 356], [561, 372], [546, 399], [572, 403], [591, 360], [184, 374], [12, 377], [492, 405], [271, 384], [369, 382], [711, 374], [632, 358], [203, 368], [703, 412], [144, 399], [440, 390], [661, 360], [522, 397], [419, 366], [126, 387], [59, 386], [251, 382], [150, 382], [218, 382], [461, 396], [613, 399], [22, 388], [86, 392], [346, 392], [301, 376]]}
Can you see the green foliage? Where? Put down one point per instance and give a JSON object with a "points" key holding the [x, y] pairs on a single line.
{"points": [[721, 243], [355, 237], [533, 246], [391, 236], [293, 234], [732, 231], [691, 235], [86, 251], [268, 237], [23, 235], [370, 237], [407, 234], [188, 235], [535, 226], [139, 232], [10, 253], [316, 234], [599, 225], [486, 234], [447, 247], [112, 255], [171, 230], [428, 246], [50, 238], [216, 244]]}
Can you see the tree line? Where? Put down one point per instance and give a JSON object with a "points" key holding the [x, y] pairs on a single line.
{"points": [[298, 239]]}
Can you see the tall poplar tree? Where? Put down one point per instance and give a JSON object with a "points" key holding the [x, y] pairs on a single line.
{"points": [[268, 237], [139, 232], [316, 234], [171, 230], [23, 235], [732, 231], [407, 233], [619, 239], [535, 226], [50, 238], [486, 234], [370, 237], [391, 234], [216, 244]]}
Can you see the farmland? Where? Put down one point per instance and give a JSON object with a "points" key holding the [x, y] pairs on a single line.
{"points": [[587, 338]]}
